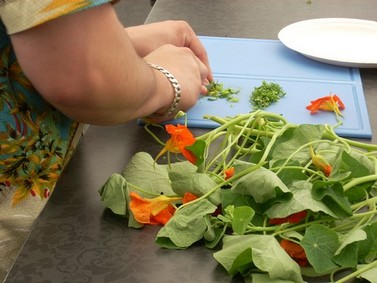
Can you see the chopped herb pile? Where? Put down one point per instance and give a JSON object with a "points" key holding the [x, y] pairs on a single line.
{"points": [[217, 91], [266, 94]]}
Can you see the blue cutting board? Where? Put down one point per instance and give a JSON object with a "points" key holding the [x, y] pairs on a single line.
{"points": [[243, 64]]}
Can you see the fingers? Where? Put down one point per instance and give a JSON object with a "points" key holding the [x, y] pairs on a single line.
{"points": [[204, 71], [200, 52], [193, 42]]}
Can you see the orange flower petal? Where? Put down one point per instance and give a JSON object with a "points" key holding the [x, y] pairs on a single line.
{"points": [[229, 173], [181, 137], [320, 163], [188, 197], [295, 251], [293, 218], [326, 103], [189, 155], [163, 216], [339, 102], [149, 211]]}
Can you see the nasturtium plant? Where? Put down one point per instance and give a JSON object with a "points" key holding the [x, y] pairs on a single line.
{"points": [[275, 201]]}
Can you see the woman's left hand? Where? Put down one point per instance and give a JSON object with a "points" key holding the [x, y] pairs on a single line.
{"points": [[149, 37]]}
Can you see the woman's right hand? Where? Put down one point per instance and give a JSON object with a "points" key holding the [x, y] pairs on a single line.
{"points": [[187, 68]]}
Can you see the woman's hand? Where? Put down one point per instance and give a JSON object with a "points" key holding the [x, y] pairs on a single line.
{"points": [[188, 69], [149, 37]]}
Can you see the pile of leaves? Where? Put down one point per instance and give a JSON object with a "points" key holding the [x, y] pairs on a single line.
{"points": [[276, 201]]}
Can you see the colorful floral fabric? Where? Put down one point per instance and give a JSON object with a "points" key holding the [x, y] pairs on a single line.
{"points": [[35, 139]]}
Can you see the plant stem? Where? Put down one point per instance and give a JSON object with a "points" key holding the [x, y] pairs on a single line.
{"points": [[358, 272], [360, 180]]}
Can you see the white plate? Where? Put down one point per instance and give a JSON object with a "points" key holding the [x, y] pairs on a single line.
{"points": [[338, 41]]}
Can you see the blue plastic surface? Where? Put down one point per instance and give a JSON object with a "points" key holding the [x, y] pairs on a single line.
{"points": [[244, 63]]}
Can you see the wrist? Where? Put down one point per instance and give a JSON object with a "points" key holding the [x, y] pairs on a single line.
{"points": [[173, 107]]}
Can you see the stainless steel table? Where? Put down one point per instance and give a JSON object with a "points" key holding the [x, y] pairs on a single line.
{"points": [[76, 240]]}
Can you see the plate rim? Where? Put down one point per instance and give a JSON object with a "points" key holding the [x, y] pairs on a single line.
{"points": [[326, 59]]}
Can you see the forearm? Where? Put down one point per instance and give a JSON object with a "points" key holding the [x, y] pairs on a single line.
{"points": [[99, 79]]}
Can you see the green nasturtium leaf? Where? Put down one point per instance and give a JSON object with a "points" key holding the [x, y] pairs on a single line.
{"points": [[263, 185], [332, 195], [231, 198], [320, 244], [264, 278], [348, 256], [114, 194], [347, 253], [368, 247], [198, 149], [301, 200], [351, 237], [186, 227], [195, 183], [266, 255], [219, 234], [354, 164], [296, 138], [142, 172], [289, 175], [242, 262], [242, 216]]}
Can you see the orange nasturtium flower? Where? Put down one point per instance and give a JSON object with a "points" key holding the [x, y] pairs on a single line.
{"points": [[327, 103], [295, 251], [181, 137], [320, 163], [229, 173], [187, 197], [293, 218], [153, 211]]}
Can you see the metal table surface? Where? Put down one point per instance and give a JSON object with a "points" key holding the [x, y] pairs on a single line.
{"points": [[76, 240]]}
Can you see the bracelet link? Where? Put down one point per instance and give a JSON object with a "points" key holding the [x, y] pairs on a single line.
{"points": [[176, 86]]}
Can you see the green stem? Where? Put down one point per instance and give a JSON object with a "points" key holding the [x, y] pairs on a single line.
{"points": [[366, 202], [359, 180], [358, 272], [236, 121], [301, 226], [228, 146], [330, 134], [146, 127], [223, 183], [224, 124]]}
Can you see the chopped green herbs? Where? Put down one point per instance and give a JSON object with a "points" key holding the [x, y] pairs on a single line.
{"points": [[217, 91], [266, 94]]}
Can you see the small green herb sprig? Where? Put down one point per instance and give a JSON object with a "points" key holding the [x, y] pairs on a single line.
{"points": [[266, 94], [217, 91]]}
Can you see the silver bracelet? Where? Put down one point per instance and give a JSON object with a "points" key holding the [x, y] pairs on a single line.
{"points": [[176, 86]]}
